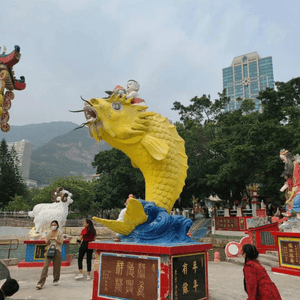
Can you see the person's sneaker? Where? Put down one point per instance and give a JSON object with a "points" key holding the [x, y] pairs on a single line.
{"points": [[79, 276], [88, 278], [38, 286], [55, 283]]}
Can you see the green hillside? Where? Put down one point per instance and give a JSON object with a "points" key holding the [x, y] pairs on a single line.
{"points": [[38, 134], [65, 155]]}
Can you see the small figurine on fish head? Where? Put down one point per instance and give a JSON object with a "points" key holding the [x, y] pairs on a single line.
{"points": [[132, 92]]}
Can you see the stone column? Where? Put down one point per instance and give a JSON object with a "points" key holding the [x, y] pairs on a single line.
{"points": [[239, 212], [226, 212]]}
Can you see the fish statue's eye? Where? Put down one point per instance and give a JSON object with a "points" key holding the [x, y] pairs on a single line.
{"points": [[116, 106]]}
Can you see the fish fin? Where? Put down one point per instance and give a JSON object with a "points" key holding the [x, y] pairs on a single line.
{"points": [[134, 164], [156, 147], [134, 216]]}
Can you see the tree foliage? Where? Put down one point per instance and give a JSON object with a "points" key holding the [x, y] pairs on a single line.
{"points": [[241, 147], [117, 179], [11, 182]]}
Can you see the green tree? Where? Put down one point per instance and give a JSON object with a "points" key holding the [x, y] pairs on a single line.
{"points": [[117, 179], [229, 150], [11, 182], [16, 204]]}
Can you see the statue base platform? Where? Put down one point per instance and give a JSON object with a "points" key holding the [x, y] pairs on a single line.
{"points": [[35, 250], [150, 271], [288, 245]]}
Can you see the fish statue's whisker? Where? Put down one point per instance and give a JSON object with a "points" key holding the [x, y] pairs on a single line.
{"points": [[76, 111], [86, 101], [81, 126]]}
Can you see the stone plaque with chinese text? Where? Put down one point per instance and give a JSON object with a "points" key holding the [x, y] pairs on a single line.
{"points": [[266, 238], [189, 277], [227, 224], [290, 252], [128, 277]]}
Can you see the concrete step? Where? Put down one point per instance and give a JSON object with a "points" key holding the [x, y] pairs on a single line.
{"points": [[270, 256], [264, 259]]}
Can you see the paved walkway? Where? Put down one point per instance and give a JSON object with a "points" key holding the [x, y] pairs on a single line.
{"points": [[225, 283], [68, 288]]}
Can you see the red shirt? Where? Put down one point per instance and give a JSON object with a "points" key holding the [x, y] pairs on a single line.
{"points": [[85, 236], [258, 283]]}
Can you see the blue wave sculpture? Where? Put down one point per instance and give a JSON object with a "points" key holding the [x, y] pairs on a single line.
{"points": [[160, 227]]}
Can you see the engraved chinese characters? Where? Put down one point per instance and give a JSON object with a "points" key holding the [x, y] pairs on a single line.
{"points": [[227, 223], [128, 277], [189, 277], [290, 252]]}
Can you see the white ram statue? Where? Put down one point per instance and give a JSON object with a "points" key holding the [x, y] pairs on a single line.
{"points": [[45, 213]]}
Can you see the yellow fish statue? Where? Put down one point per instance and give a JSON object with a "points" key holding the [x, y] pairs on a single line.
{"points": [[153, 145]]}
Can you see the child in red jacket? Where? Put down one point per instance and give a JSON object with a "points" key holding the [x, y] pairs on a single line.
{"points": [[257, 282]]}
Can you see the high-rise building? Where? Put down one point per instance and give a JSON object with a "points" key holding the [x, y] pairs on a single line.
{"points": [[247, 75], [24, 150]]}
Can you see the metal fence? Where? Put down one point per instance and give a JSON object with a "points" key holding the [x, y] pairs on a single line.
{"points": [[9, 244]]}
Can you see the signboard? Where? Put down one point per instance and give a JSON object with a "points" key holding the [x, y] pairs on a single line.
{"points": [[189, 277], [39, 251], [128, 277], [261, 213], [242, 224], [289, 250], [227, 224], [266, 238]]}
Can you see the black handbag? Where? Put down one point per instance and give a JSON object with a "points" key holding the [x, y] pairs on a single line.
{"points": [[51, 251]]}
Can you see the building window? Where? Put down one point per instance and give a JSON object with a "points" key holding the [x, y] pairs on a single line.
{"points": [[245, 69], [246, 88], [253, 69], [238, 73], [254, 88]]}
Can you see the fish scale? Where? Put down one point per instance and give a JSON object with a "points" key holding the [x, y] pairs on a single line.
{"points": [[164, 170]]}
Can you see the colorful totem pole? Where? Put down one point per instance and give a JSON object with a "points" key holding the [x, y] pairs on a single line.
{"points": [[8, 83]]}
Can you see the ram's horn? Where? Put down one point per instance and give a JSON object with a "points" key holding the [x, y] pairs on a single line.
{"points": [[64, 197]]}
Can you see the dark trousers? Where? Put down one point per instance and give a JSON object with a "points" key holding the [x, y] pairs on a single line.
{"points": [[89, 253], [56, 267]]}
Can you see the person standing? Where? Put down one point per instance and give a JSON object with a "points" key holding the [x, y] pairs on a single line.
{"points": [[257, 283], [54, 238], [88, 234]]}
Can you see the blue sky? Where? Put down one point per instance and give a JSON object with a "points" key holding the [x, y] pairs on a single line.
{"points": [[175, 49]]}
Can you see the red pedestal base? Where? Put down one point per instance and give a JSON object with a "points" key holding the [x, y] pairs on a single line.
{"points": [[287, 271], [135, 271], [288, 244], [24, 264]]}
